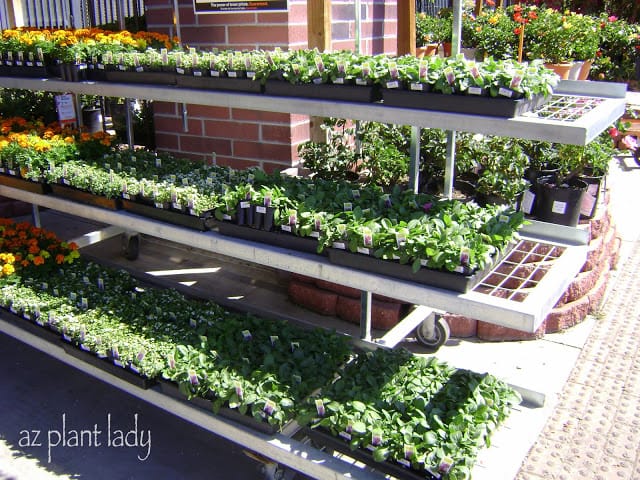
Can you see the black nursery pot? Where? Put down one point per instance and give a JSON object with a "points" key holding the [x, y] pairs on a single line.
{"points": [[559, 204]]}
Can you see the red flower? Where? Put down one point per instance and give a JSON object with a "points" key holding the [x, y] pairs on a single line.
{"points": [[38, 260], [491, 3], [613, 132], [517, 31], [59, 259], [612, 18]]}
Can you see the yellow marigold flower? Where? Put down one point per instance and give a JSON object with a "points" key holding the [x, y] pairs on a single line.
{"points": [[69, 140], [8, 269]]}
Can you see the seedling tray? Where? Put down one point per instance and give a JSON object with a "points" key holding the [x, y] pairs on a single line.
{"points": [[220, 83], [467, 104], [458, 282], [275, 238], [30, 326], [23, 184], [71, 193], [393, 469], [201, 223], [326, 91], [154, 78], [108, 366], [171, 389]]}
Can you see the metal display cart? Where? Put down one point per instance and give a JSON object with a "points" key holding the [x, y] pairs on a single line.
{"points": [[578, 112]]}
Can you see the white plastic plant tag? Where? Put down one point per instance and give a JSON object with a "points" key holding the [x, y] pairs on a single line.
{"points": [[527, 201], [559, 207]]}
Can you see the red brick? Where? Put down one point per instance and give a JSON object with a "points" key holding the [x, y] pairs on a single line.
{"points": [[226, 161], [284, 133], [461, 326], [496, 333], [264, 151], [597, 293], [231, 130], [204, 145], [198, 36], [615, 256], [580, 285], [252, 34], [600, 222], [568, 315], [175, 125], [166, 141], [158, 16], [302, 278], [204, 111], [339, 289], [384, 315], [594, 254], [166, 108], [315, 299], [265, 117]]}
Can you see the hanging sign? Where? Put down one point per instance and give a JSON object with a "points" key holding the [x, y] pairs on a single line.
{"points": [[218, 6], [66, 109]]}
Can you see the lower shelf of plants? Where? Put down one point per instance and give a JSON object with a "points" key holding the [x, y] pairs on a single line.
{"points": [[256, 371]]}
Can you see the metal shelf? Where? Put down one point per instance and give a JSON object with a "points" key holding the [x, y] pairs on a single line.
{"points": [[579, 130], [521, 314]]}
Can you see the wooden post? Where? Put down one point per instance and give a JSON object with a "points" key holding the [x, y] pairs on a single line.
{"points": [[478, 7], [319, 24], [318, 36], [406, 27]]}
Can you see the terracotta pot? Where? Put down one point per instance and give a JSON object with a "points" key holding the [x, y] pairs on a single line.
{"points": [[562, 69], [427, 50], [446, 49]]}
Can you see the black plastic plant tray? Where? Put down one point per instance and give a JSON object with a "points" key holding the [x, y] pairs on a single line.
{"points": [[327, 91], [393, 469], [171, 389], [458, 282], [31, 327], [201, 223], [467, 104], [23, 184], [275, 238], [220, 83], [154, 78], [71, 193], [108, 366]]}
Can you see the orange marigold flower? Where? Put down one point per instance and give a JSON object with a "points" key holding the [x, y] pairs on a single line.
{"points": [[33, 249], [59, 259], [38, 260]]}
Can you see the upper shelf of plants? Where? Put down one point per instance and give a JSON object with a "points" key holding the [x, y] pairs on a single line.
{"points": [[498, 97]]}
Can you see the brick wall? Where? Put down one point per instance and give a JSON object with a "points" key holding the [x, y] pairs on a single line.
{"points": [[243, 138]]}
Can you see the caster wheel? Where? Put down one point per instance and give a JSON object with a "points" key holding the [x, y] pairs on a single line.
{"points": [[636, 156], [439, 336], [130, 246]]}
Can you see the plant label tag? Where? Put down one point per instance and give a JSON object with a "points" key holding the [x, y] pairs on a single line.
{"points": [[314, 234], [73, 296], [193, 377], [361, 81], [297, 379], [66, 337], [238, 389], [84, 303], [226, 216], [503, 219], [401, 239], [100, 284], [245, 204], [273, 339], [339, 245], [445, 464], [505, 92], [261, 209], [376, 438], [84, 347], [527, 201], [338, 80], [355, 193], [193, 323], [559, 207], [345, 435], [171, 361], [269, 407], [393, 84], [232, 74], [348, 206], [246, 335], [417, 87], [588, 202], [404, 462], [320, 407], [294, 346], [367, 237], [286, 228], [293, 218], [475, 91], [363, 250]]}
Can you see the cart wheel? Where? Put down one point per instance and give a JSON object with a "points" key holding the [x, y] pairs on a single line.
{"points": [[440, 336], [130, 245], [636, 155]]}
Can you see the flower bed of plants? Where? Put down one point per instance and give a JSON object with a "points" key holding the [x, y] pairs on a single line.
{"points": [[409, 409]]}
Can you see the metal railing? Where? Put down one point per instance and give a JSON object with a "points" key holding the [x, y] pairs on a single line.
{"points": [[71, 13]]}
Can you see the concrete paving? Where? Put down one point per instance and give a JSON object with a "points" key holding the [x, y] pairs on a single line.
{"points": [[588, 375]]}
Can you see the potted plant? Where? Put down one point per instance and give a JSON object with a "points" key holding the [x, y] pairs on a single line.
{"points": [[559, 196], [502, 172]]}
